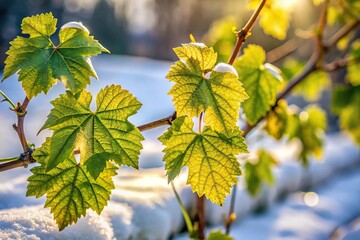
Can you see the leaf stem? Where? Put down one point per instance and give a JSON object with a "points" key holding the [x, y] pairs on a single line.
{"points": [[8, 159], [185, 214], [7, 99]]}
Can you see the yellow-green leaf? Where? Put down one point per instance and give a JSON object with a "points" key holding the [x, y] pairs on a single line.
{"points": [[259, 82], [199, 86], [277, 120], [274, 17], [259, 171], [70, 190], [343, 11], [40, 63], [353, 66], [218, 235], [103, 135], [309, 127], [317, 2], [209, 156], [346, 103]]}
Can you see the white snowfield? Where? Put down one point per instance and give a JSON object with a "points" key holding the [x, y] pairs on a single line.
{"points": [[143, 205]]}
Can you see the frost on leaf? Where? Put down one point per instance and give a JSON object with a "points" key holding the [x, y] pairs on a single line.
{"points": [[201, 87], [103, 135], [209, 156], [260, 83], [70, 190], [40, 63]]}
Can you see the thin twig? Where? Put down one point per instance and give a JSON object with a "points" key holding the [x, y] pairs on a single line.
{"points": [[341, 33], [19, 128], [243, 33], [336, 64], [23, 161], [161, 122], [321, 32], [283, 50]]}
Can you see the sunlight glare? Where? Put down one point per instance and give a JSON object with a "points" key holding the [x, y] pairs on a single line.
{"points": [[287, 4], [311, 199]]}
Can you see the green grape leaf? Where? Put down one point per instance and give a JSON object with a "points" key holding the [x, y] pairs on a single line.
{"points": [[259, 82], [105, 134], [291, 67], [308, 127], [209, 156], [346, 103], [259, 170], [342, 11], [274, 17], [199, 86], [353, 66], [39, 62], [218, 235], [70, 190], [277, 120]]}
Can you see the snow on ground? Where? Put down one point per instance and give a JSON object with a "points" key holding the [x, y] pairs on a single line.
{"points": [[143, 205]]}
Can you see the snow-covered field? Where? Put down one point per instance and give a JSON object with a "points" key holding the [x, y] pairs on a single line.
{"points": [[143, 206]]}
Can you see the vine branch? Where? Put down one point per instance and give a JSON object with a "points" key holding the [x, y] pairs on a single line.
{"points": [[283, 50], [157, 123], [243, 33]]}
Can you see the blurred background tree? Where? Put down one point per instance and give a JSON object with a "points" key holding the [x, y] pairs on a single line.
{"points": [[149, 28]]}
